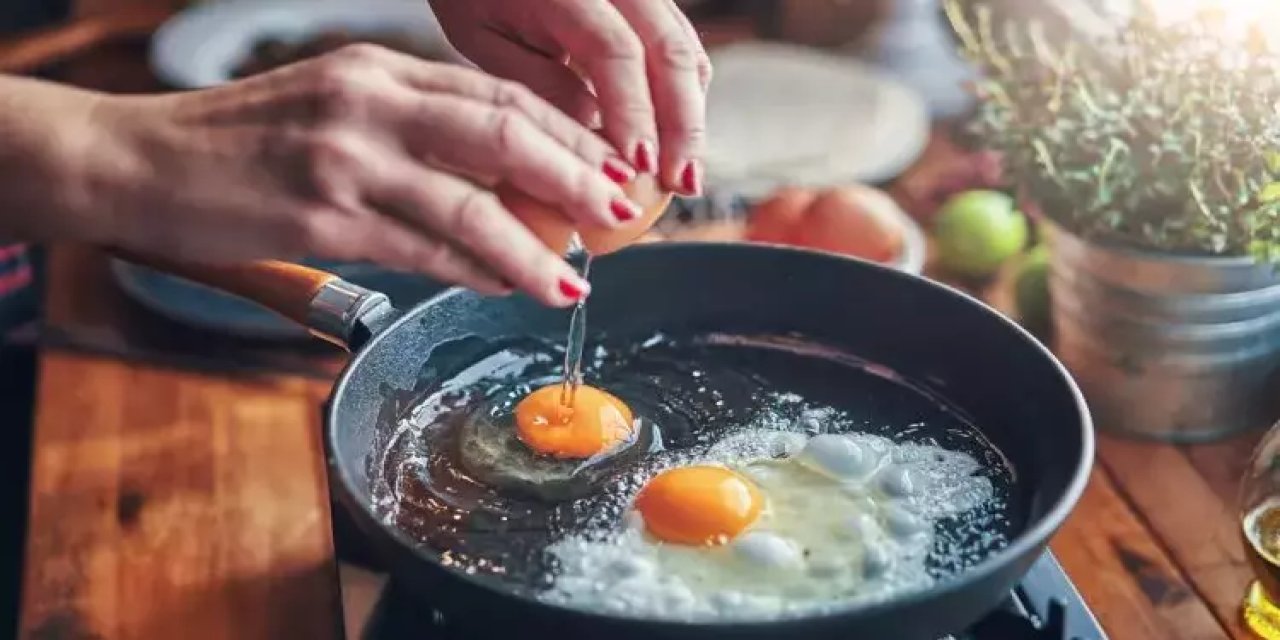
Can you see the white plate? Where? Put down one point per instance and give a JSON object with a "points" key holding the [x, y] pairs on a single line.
{"points": [[780, 114], [201, 46]]}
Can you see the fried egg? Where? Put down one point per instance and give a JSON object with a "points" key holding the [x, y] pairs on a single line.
{"points": [[596, 421], [698, 505], [768, 523], [553, 451]]}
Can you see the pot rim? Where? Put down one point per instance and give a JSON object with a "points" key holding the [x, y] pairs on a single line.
{"points": [[1033, 538], [1150, 255]]}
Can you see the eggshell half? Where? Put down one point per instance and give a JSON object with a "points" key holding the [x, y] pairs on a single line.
{"points": [[556, 230]]}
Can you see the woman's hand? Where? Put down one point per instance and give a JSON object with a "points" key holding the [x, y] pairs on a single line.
{"points": [[645, 70], [363, 154]]}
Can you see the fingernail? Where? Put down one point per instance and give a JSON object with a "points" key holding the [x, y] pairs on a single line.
{"points": [[646, 157], [618, 171], [574, 288], [624, 210], [691, 178]]}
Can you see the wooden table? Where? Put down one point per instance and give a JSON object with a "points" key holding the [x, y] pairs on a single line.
{"points": [[175, 505], [172, 504]]}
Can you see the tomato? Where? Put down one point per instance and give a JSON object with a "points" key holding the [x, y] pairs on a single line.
{"points": [[777, 219], [855, 221]]}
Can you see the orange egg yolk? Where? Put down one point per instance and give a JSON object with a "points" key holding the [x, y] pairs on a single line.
{"points": [[595, 422], [698, 505]]}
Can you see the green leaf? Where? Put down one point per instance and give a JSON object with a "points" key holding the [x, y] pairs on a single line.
{"points": [[1151, 141], [1273, 162]]}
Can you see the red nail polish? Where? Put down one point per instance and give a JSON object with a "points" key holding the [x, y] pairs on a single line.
{"points": [[624, 210], [691, 179], [617, 171], [645, 161], [572, 289]]}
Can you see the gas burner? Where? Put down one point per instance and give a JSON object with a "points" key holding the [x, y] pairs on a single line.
{"points": [[1044, 606]]}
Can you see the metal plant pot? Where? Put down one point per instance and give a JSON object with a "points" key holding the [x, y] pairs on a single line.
{"points": [[1174, 348]]}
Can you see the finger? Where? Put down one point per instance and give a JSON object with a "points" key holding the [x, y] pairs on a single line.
{"points": [[538, 67], [347, 226], [403, 247], [598, 39], [675, 64], [437, 78], [386, 241], [475, 221], [705, 70], [500, 144]]}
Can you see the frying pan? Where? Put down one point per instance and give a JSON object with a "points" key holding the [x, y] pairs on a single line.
{"points": [[1011, 387]]}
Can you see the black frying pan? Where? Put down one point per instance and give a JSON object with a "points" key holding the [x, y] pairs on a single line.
{"points": [[1014, 390]]}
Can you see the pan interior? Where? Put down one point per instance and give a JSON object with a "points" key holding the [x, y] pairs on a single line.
{"points": [[699, 393], [806, 324]]}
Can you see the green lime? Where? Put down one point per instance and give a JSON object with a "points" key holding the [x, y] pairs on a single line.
{"points": [[1031, 288], [977, 231]]}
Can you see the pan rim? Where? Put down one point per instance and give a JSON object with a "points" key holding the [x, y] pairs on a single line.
{"points": [[1026, 541]]}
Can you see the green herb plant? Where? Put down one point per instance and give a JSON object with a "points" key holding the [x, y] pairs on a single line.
{"points": [[1161, 137]]}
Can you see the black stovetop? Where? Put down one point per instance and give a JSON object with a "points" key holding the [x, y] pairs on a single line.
{"points": [[1045, 606]]}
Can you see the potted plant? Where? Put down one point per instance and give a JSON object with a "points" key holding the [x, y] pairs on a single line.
{"points": [[1151, 157]]}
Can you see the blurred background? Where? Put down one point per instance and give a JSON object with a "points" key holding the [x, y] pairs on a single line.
{"points": [[855, 108], [848, 126]]}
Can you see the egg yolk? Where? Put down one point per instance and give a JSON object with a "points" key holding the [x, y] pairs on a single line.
{"points": [[698, 505], [596, 421]]}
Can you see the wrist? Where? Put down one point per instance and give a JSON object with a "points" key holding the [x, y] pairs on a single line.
{"points": [[103, 171], [53, 167]]}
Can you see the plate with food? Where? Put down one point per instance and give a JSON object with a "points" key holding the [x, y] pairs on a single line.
{"points": [[855, 221], [213, 43]]}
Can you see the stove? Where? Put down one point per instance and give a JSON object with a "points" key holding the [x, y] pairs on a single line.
{"points": [[1044, 606]]}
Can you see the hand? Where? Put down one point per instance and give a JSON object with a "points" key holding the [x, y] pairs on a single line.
{"points": [[362, 154], [646, 72]]}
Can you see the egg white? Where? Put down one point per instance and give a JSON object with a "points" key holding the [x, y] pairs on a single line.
{"points": [[846, 518]]}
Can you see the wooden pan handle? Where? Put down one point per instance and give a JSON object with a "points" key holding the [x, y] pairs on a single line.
{"points": [[284, 287], [36, 49]]}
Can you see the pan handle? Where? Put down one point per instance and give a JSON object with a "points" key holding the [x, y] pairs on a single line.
{"points": [[330, 307]]}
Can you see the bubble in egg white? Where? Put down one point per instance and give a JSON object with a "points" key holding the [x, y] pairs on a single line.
{"points": [[768, 550], [876, 561], [837, 456], [902, 523], [726, 600], [678, 596], [859, 499], [757, 444], [811, 425], [863, 527], [630, 567], [898, 481]]}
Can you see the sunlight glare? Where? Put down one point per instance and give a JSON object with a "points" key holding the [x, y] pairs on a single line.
{"points": [[1238, 16]]}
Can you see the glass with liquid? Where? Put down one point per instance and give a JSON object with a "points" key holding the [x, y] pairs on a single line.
{"points": [[1259, 517]]}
